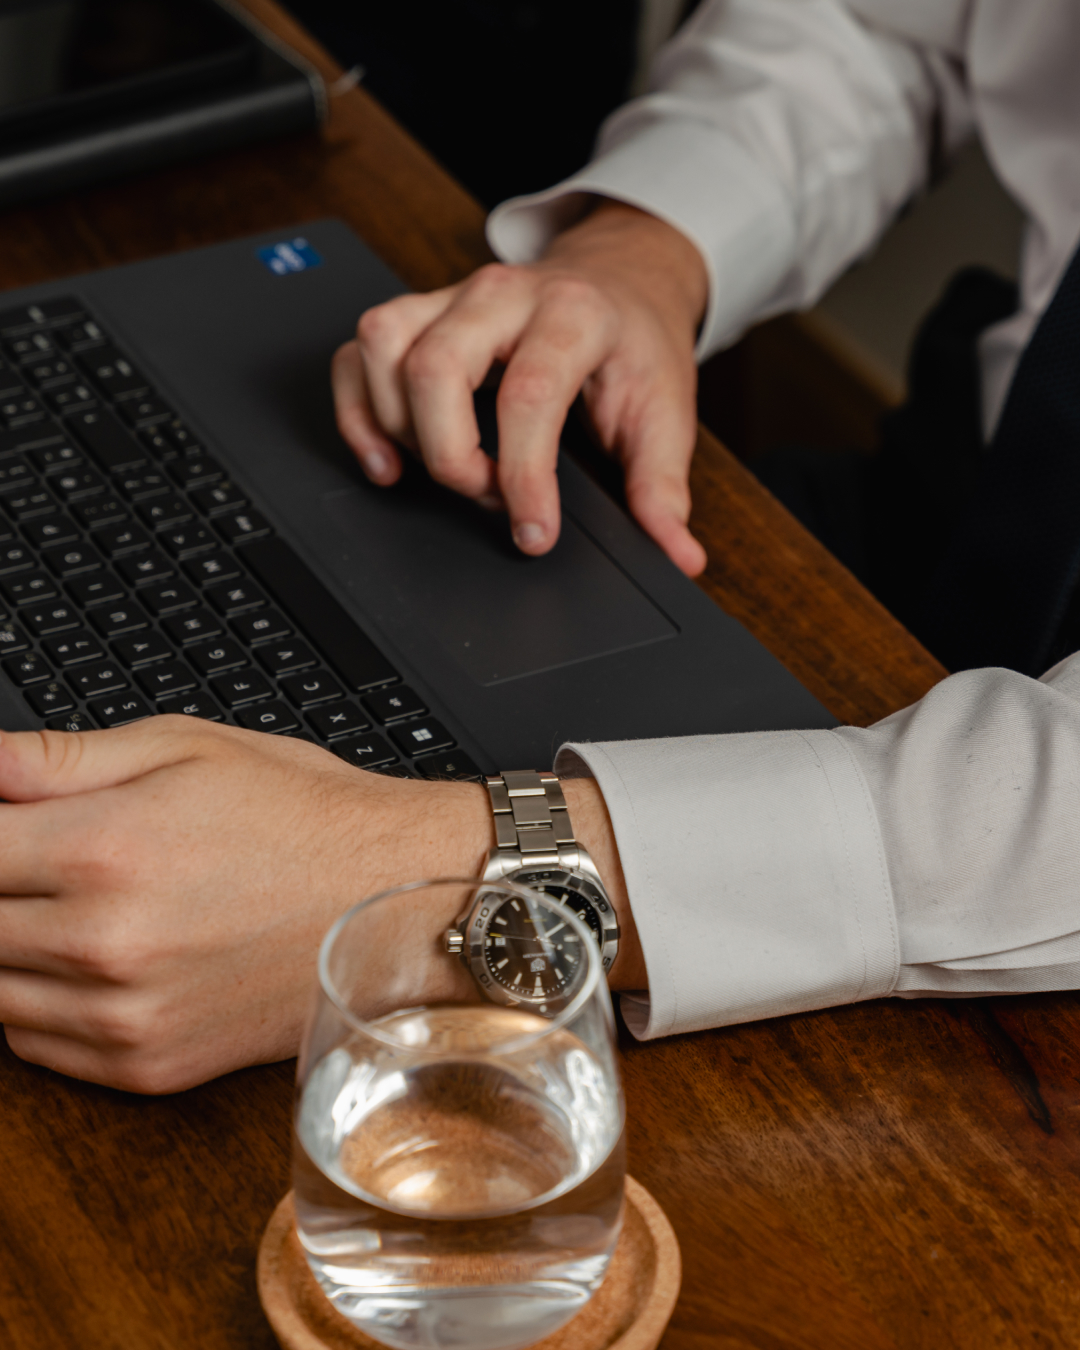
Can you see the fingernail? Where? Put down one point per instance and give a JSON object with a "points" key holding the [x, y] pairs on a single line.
{"points": [[529, 534], [375, 463], [490, 503]]}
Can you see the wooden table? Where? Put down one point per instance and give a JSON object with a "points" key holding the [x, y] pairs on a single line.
{"points": [[888, 1175]]}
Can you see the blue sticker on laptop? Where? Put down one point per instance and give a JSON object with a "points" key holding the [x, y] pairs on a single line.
{"points": [[295, 255]]}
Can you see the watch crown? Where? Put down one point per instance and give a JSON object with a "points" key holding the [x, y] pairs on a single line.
{"points": [[455, 941]]}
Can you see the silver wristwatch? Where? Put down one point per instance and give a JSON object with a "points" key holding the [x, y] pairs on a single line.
{"points": [[534, 847]]}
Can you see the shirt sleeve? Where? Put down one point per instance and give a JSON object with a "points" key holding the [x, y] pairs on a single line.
{"points": [[780, 136], [935, 853]]}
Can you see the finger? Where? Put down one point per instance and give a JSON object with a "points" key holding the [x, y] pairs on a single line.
{"points": [[35, 765], [385, 335], [377, 454], [657, 450], [569, 338], [39, 1001], [449, 363]]}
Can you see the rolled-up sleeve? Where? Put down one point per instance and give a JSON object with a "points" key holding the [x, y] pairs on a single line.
{"points": [[935, 853], [780, 137]]}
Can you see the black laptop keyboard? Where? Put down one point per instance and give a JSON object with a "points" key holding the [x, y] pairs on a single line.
{"points": [[135, 578]]}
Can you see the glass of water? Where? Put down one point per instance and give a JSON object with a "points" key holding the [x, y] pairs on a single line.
{"points": [[459, 1151]]}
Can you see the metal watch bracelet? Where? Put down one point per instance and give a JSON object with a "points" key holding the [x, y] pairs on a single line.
{"points": [[532, 824]]}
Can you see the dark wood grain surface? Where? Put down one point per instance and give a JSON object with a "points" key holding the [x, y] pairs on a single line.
{"points": [[895, 1174]]}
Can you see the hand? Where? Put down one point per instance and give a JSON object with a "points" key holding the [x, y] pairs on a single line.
{"points": [[611, 310], [164, 889]]}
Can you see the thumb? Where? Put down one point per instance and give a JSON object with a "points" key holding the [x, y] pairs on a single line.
{"points": [[35, 765]]}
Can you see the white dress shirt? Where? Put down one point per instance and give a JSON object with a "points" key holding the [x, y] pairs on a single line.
{"points": [[939, 851], [935, 853], [782, 137]]}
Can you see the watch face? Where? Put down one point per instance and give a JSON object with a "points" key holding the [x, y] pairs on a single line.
{"points": [[531, 952], [557, 885]]}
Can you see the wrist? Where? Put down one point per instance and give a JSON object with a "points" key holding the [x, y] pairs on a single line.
{"points": [[631, 246]]}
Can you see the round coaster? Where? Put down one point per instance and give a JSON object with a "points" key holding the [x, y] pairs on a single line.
{"points": [[629, 1311]]}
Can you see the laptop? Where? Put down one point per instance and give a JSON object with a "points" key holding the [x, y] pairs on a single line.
{"points": [[183, 530]]}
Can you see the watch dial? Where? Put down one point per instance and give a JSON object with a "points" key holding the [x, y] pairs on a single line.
{"points": [[566, 895], [531, 952]]}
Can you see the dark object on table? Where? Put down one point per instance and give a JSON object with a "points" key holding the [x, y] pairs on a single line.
{"points": [[98, 88]]}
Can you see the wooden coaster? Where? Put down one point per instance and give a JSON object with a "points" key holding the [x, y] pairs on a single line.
{"points": [[629, 1311]]}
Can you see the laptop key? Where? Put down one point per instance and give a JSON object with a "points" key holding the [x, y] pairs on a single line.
{"points": [[222, 497], [143, 568], [117, 540], [234, 597], [17, 412], [273, 717], [141, 649], [364, 752], [102, 511], [116, 620], [112, 372], [352, 654], [28, 588], [214, 658], [265, 625], [53, 459], [37, 501], [54, 618], [417, 738], [15, 558], [54, 529], [72, 721], [105, 677], [52, 370], [28, 669], [49, 700], [66, 398], [144, 412], [75, 484], [96, 588], [338, 719], [283, 658], [187, 541], [73, 648], [193, 626], [107, 439], [15, 476], [191, 471], [391, 705], [453, 764], [71, 559], [212, 567], [140, 487], [174, 677], [161, 513], [315, 686], [120, 710], [246, 686], [78, 335], [12, 639], [244, 525], [168, 598], [196, 704]]}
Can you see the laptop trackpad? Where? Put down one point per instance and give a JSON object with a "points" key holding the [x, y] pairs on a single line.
{"points": [[443, 565]]}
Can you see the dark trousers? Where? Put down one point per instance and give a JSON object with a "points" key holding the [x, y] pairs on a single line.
{"points": [[889, 517]]}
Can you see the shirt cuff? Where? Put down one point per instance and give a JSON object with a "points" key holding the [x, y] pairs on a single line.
{"points": [[756, 874], [695, 178]]}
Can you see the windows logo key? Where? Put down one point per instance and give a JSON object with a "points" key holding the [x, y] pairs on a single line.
{"points": [[293, 255]]}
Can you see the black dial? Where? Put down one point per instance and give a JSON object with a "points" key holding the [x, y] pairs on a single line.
{"points": [[532, 952], [566, 895]]}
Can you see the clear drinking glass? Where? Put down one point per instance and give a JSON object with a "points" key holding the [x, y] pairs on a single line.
{"points": [[459, 1161]]}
